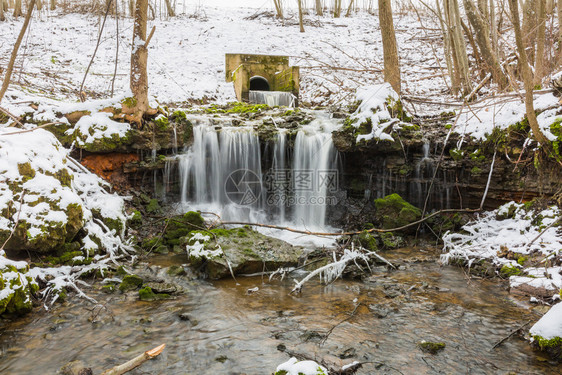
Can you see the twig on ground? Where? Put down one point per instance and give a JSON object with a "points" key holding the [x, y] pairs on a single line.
{"points": [[511, 334]]}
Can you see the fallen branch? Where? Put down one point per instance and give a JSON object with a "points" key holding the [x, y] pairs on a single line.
{"points": [[135, 362], [377, 230], [16, 224]]}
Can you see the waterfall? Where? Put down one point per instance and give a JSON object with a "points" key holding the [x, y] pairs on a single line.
{"points": [[272, 98], [222, 172]]}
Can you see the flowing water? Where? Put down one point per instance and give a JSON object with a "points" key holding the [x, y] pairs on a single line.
{"points": [[226, 330], [272, 98]]}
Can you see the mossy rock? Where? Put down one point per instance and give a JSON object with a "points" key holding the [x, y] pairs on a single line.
{"points": [[393, 212], [508, 270], [17, 289], [431, 347], [130, 282], [391, 241], [180, 226], [368, 241], [153, 207]]}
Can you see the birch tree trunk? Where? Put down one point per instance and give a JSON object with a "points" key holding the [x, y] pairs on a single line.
{"points": [[17, 9], [541, 40], [390, 50], [483, 39], [527, 76], [12, 61], [319, 11]]}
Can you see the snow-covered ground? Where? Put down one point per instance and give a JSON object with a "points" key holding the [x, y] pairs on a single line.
{"points": [[187, 54]]}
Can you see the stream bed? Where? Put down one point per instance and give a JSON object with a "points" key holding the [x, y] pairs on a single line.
{"points": [[222, 328]]}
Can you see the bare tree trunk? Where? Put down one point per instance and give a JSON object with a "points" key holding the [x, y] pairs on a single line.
{"points": [[541, 40], [132, 8], [53, 4], [2, 16], [527, 76], [475, 51], [349, 8], [337, 8], [278, 8], [483, 38], [494, 29], [137, 107], [447, 49], [39, 5], [12, 61], [390, 50], [319, 11], [559, 30], [530, 27], [458, 45], [170, 9], [301, 25], [17, 9]]}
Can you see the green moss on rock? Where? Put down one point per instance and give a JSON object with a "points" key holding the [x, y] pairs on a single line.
{"points": [[130, 282], [393, 211], [431, 347]]}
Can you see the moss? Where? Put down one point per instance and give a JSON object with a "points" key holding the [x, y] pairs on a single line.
{"points": [[521, 260], [556, 130], [237, 107], [153, 207], [448, 126], [176, 270], [391, 241], [136, 218], [130, 282], [178, 116], [507, 271], [365, 127], [146, 294], [26, 171], [456, 154], [161, 123], [129, 102], [162, 249], [431, 347], [476, 171], [19, 300], [150, 243], [180, 226], [368, 241], [394, 212]]}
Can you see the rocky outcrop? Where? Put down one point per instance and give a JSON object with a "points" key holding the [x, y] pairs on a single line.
{"points": [[218, 251]]}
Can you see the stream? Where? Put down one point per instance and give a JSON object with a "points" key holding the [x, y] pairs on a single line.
{"points": [[221, 328]]}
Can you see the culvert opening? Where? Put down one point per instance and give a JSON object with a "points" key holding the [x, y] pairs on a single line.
{"points": [[258, 83]]}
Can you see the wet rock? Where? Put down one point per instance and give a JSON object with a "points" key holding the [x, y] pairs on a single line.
{"points": [[176, 271], [162, 287], [75, 368]]}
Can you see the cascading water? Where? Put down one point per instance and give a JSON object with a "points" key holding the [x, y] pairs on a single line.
{"points": [[314, 174], [272, 98]]}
